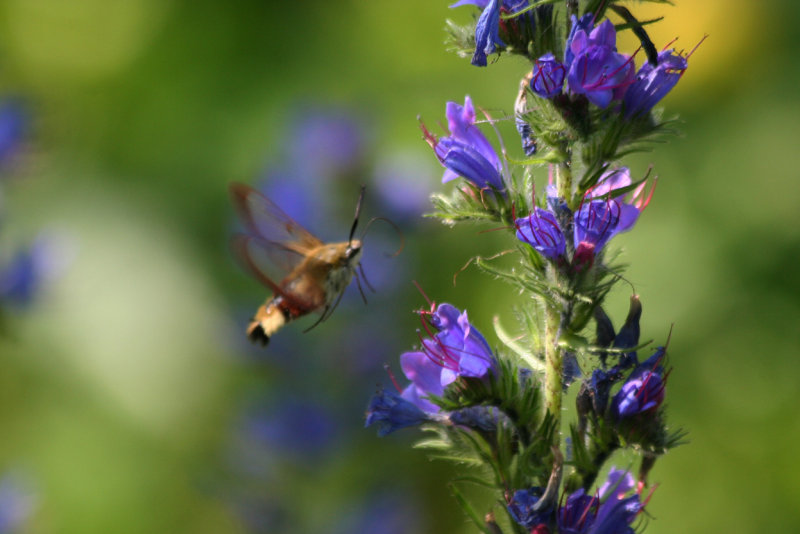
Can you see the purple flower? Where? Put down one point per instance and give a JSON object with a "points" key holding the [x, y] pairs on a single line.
{"points": [[609, 185], [466, 152], [654, 82], [457, 349], [548, 76], [540, 230], [596, 69], [596, 222], [644, 389], [577, 514], [487, 33], [524, 511], [584, 24], [488, 28], [610, 512], [391, 412]]}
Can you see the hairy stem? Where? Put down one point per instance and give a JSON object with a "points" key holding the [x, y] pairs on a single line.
{"points": [[554, 365], [564, 181]]}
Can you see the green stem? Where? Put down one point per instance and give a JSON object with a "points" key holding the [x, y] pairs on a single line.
{"points": [[564, 181], [554, 366]]}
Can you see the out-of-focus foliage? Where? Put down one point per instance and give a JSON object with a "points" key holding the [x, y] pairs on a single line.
{"points": [[130, 397]]}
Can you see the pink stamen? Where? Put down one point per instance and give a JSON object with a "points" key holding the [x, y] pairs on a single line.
{"points": [[422, 292], [604, 77], [668, 44], [392, 377], [428, 136], [696, 46], [642, 202]]}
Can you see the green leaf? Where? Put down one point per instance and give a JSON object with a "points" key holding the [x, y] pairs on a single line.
{"points": [[469, 510]]}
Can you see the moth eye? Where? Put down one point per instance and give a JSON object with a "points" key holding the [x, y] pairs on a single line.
{"points": [[351, 251]]}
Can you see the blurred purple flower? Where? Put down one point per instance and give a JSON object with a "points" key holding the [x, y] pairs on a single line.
{"points": [[597, 70], [22, 276], [466, 152], [391, 412], [295, 428], [17, 502], [14, 123], [654, 82], [458, 349], [302, 196], [402, 182], [548, 76], [326, 142], [382, 513]]}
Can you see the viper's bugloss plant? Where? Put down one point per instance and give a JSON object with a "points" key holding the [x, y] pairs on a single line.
{"points": [[581, 108]]}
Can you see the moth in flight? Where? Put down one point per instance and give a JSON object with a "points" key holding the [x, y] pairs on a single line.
{"points": [[304, 273]]}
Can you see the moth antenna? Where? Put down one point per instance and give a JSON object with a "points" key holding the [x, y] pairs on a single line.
{"points": [[396, 229], [358, 212]]}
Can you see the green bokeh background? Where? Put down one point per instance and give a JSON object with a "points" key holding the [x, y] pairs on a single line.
{"points": [[120, 386]]}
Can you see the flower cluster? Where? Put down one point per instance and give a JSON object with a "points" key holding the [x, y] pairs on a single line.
{"points": [[604, 213], [579, 111], [591, 64], [593, 68], [612, 509]]}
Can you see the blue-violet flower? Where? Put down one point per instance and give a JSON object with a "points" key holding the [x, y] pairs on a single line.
{"points": [[597, 70], [548, 76], [540, 230], [643, 391], [522, 508], [488, 28], [654, 82], [611, 184], [457, 349], [466, 152], [391, 412], [582, 514]]}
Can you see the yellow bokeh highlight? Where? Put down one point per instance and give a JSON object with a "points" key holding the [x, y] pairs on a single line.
{"points": [[728, 25]]}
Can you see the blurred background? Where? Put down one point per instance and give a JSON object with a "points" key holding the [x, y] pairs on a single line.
{"points": [[130, 400]]}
